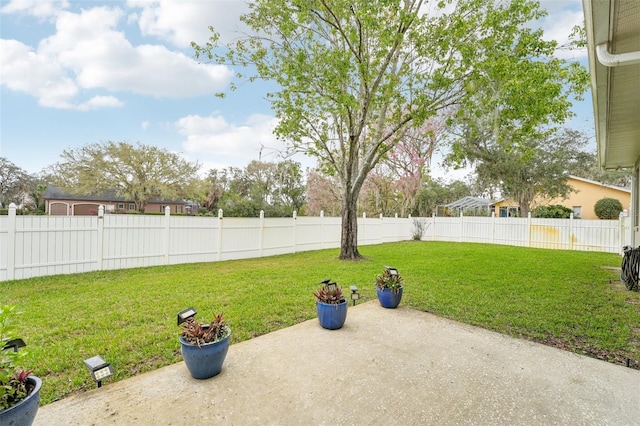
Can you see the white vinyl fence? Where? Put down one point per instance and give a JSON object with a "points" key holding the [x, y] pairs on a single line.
{"points": [[32, 246]]}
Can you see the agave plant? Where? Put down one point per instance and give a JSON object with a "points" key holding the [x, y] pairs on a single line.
{"points": [[199, 333], [13, 380]]}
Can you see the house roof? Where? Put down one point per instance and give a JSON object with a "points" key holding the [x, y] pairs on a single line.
{"points": [[613, 41], [55, 193], [618, 188]]}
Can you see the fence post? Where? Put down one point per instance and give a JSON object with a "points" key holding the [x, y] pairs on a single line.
{"points": [[321, 229], [261, 235], [167, 233], [11, 243], [100, 239], [461, 225], [295, 216], [433, 226], [381, 230], [493, 227], [529, 230], [220, 234], [571, 231]]}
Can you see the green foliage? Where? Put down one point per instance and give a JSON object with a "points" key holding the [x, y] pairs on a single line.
{"points": [[389, 278], [535, 294], [13, 379], [330, 294], [275, 188], [608, 208], [14, 183], [555, 211], [198, 333]]}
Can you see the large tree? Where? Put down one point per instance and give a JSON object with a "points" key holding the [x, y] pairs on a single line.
{"points": [[536, 169], [139, 172], [15, 183], [275, 188], [355, 76]]}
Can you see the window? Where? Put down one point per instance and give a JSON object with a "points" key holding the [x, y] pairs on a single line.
{"points": [[178, 209], [132, 206], [121, 206], [577, 212]]}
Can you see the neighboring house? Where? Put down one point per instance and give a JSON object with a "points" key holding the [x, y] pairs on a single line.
{"points": [[613, 44], [587, 193], [582, 200], [59, 203]]}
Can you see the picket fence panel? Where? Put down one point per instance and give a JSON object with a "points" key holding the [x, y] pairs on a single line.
{"points": [[32, 246]]}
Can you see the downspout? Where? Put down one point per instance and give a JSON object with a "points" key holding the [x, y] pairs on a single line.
{"points": [[610, 60]]}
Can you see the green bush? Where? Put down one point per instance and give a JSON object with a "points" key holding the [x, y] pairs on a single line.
{"points": [[608, 208], [555, 211]]}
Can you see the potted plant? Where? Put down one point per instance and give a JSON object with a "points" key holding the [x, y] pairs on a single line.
{"points": [[389, 287], [19, 390], [331, 305], [205, 346]]}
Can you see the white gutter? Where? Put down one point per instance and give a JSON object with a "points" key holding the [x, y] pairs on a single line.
{"points": [[610, 60]]}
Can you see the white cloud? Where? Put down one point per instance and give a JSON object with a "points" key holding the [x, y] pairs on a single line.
{"points": [[181, 22], [37, 8], [559, 23], [89, 52], [215, 136], [145, 125], [100, 102]]}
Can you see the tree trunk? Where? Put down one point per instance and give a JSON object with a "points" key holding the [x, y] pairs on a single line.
{"points": [[349, 240]]}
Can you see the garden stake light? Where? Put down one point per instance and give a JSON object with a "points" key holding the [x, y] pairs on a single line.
{"points": [[354, 294], [185, 314], [99, 368]]}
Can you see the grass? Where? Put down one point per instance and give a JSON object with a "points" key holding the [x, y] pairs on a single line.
{"points": [[563, 298]]}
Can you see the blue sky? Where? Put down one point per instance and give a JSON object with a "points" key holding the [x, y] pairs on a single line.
{"points": [[79, 72]]}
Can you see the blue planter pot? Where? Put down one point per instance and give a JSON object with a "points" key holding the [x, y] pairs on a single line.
{"points": [[24, 412], [331, 316], [389, 298], [206, 360]]}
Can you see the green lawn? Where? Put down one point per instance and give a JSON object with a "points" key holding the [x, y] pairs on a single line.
{"points": [[567, 299]]}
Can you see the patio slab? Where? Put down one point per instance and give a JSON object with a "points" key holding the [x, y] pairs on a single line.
{"points": [[385, 366]]}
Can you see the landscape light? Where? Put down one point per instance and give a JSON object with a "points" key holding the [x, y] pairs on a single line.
{"points": [[392, 271], [332, 287], [14, 344], [185, 314], [99, 368], [354, 294]]}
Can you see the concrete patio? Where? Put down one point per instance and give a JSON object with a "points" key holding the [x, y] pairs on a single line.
{"points": [[385, 366]]}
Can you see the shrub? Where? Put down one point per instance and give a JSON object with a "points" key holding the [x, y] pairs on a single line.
{"points": [[555, 211], [608, 208], [419, 226]]}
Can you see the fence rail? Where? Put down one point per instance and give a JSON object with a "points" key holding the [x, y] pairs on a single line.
{"points": [[32, 246]]}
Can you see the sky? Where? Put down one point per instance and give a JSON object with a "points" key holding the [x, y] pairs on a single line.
{"points": [[73, 73]]}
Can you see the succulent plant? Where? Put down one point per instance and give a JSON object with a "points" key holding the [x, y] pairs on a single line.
{"points": [[13, 380], [330, 293], [198, 333], [390, 278]]}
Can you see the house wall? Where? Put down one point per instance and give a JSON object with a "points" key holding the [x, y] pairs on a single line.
{"points": [[588, 194], [70, 207]]}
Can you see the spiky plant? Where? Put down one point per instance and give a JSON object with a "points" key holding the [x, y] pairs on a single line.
{"points": [[198, 333], [13, 380], [329, 294]]}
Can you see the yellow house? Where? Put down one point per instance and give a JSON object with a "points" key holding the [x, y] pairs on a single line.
{"points": [[581, 200]]}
